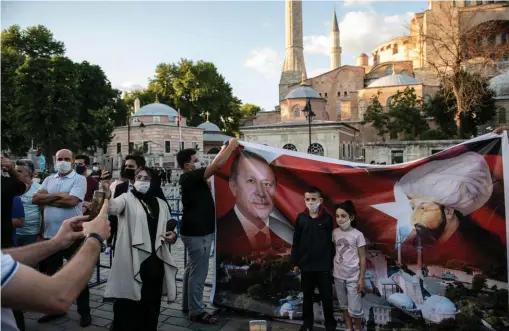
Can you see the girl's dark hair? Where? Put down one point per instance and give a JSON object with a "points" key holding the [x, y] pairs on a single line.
{"points": [[348, 207]]}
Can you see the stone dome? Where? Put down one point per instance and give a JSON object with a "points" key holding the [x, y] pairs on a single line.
{"points": [[500, 85], [209, 127], [402, 301], [363, 55], [157, 109], [303, 92], [440, 304], [394, 80]]}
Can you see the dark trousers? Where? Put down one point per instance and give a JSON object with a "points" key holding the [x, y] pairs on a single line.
{"points": [[323, 281], [52, 264], [20, 319], [143, 315]]}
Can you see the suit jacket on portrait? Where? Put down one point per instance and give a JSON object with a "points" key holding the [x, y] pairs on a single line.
{"points": [[232, 240]]}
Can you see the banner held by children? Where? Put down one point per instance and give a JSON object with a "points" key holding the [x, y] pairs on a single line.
{"points": [[435, 230]]}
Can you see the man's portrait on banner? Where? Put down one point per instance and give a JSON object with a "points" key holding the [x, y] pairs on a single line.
{"points": [[250, 226]]}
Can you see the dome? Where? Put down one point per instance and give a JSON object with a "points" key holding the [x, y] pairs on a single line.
{"points": [[303, 92], [209, 127], [500, 84], [440, 305], [394, 80], [363, 55], [157, 109], [401, 300]]}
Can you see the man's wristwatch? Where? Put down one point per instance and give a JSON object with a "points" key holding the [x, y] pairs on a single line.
{"points": [[98, 237]]}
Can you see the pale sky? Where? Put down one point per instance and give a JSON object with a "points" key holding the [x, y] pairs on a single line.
{"points": [[244, 39]]}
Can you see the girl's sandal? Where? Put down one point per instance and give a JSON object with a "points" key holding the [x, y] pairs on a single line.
{"points": [[204, 318]]}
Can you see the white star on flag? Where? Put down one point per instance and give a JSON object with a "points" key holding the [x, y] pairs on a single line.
{"points": [[400, 210]]}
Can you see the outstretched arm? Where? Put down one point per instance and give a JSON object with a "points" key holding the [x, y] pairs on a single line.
{"points": [[221, 158]]}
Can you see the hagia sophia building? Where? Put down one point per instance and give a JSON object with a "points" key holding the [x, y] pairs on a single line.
{"points": [[340, 96]]}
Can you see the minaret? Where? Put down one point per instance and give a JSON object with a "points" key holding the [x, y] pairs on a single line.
{"points": [[335, 52], [294, 66]]}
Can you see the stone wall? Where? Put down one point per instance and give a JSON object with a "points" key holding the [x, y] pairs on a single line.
{"points": [[406, 150]]}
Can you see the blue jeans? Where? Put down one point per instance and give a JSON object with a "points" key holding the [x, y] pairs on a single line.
{"points": [[22, 240], [195, 274]]}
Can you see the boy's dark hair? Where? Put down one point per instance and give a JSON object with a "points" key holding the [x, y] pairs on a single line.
{"points": [[84, 158], [184, 156], [234, 170], [122, 170], [140, 160], [347, 206], [314, 190]]}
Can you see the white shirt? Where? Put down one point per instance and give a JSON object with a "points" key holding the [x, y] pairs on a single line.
{"points": [[252, 230], [9, 269]]}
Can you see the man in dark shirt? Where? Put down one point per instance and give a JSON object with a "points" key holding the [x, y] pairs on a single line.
{"points": [[11, 186], [312, 255], [81, 164], [198, 224]]}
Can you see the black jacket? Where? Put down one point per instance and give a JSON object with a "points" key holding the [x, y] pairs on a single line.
{"points": [[312, 248]]}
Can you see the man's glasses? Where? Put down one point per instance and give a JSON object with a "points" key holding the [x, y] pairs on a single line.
{"points": [[140, 177]]}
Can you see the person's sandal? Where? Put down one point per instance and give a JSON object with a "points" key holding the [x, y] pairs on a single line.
{"points": [[204, 318]]}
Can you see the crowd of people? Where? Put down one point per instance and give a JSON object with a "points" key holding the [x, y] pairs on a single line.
{"points": [[45, 223]]}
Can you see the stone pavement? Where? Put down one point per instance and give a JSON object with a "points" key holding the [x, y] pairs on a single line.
{"points": [[170, 319]]}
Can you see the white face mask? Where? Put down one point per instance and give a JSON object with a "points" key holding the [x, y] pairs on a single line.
{"points": [[63, 167], [142, 187], [95, 168], [345, 226], [197, 165], [36, 180], [313, 208]]}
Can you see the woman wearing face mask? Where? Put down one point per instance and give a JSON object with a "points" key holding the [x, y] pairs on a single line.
{"points": [[349, 265], [143, 268]]}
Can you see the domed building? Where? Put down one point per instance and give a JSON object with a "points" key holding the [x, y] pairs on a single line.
{"points": [[156, 130], [213, 137]]}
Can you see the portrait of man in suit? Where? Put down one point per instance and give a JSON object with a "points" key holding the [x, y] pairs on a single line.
{"points": [[253, 224]]}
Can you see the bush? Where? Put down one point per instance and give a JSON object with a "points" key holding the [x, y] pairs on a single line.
{"points": [[255, 291]]}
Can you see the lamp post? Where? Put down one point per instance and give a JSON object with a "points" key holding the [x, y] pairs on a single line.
{"points": [[309, 116], [129, 132]]}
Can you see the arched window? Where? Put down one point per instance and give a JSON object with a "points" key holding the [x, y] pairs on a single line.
{"points": [[362, 107], [316, 148], [502, 115], [214, 150], [290, 147], [343, 151], [325, 116], [349, 151], [388, 102], [296, 111]]}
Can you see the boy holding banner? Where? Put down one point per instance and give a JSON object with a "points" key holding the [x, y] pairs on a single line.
{"points": [[312, 254]]}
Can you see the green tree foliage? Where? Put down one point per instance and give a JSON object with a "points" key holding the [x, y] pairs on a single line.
{"points": [[403, 114], [51, 99], [195, 88], [248, 109], [479, 283]]}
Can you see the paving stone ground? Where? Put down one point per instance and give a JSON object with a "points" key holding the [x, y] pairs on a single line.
{"points": [[170, 319]]}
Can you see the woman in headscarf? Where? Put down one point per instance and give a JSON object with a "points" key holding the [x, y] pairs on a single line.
{"points": [[143, 268]]}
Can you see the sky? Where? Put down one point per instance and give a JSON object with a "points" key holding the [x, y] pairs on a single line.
{"points": [[244, 39]]}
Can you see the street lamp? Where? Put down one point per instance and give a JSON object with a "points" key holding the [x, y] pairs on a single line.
{"points": [[309, 115], [129, 132]]}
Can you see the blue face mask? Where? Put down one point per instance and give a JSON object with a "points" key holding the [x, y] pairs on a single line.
{"points": [[80, 169]]}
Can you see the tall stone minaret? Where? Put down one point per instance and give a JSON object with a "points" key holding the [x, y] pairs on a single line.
{"points": [[294, 66], [335, 52]]}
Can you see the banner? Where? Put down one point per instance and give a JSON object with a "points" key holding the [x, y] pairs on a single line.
{"points": [[435, 230]]}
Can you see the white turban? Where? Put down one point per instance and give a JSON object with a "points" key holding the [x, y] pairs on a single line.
{"points": [[462, 183]]}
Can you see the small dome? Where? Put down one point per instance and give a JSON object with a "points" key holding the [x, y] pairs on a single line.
{"points": [[500, 84], [440, 305], [209, 127], [303, 92], [401, 300], [156, 109], [287, 307], [363, 55], [394, 80]]}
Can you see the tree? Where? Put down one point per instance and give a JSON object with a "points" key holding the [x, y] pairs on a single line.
{"points": [[403, 115], [451, 44], [194, 88], [248, 109], [479, 283], [52, 100]]}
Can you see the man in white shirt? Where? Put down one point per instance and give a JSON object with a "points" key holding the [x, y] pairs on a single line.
{"points": [[24, 288]]}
